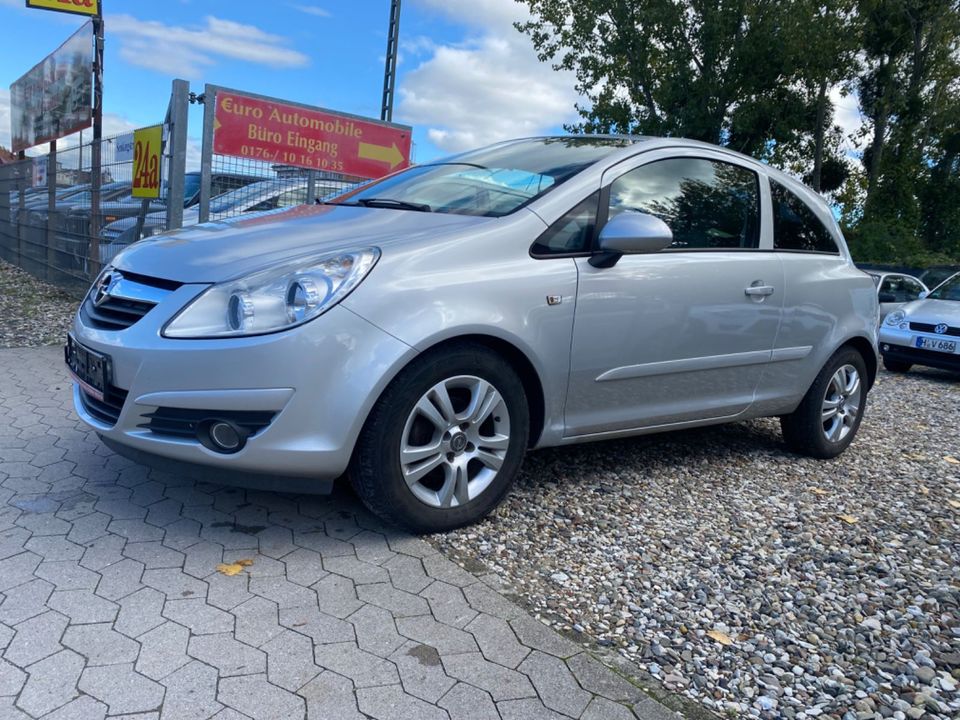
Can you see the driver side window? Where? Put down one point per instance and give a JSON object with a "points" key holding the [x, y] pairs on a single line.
{"points": [[707, 204]]}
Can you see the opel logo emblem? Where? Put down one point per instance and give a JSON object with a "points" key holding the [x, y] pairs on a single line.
{"points": [[458, 443], [104, 288], [941, 328]]}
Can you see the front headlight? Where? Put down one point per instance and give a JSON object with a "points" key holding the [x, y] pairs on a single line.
{"points": [[896, 319], [276, 299]]}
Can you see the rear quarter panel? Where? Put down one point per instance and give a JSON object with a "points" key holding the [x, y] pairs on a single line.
{"points": [[827, 302]]}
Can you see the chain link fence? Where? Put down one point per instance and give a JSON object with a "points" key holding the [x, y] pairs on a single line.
{"points": [[46, 211], [48, 226]]}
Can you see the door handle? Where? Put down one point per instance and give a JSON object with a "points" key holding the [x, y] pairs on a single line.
{"points": [[761, 290]]}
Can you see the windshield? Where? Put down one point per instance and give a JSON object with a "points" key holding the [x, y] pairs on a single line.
{"points": [[241, 196], [950, 290], [490, 182], [191, 186]]}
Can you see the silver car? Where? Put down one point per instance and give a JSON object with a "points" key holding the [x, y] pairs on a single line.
{"points": [[894, 290], [420, 333], [924, 332]]}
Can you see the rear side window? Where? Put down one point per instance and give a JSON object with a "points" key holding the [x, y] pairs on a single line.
{"points": [[570, 234], [708, 205], [796, 226], [904, 289]]}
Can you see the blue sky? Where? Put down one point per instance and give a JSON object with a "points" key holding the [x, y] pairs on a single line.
{"points": [[465, 78]]}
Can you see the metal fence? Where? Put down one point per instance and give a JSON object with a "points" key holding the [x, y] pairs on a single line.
{"points": [[49, 228], [46, 229]]}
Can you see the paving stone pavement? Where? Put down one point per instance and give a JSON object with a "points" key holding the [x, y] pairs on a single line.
{"points": [[111, 604]]}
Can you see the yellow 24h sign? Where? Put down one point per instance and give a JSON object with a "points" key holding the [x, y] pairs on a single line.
{"points": [[147, 145], [77, 7]]}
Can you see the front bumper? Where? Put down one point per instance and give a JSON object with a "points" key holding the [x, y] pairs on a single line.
{"points": [[316, 383], [900, 346]]}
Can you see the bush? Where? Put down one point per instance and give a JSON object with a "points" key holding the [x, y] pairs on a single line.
{"points": [[892, 244]]}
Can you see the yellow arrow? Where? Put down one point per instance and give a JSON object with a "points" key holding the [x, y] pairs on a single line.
{"points": [[380, 153], [216, 124]]}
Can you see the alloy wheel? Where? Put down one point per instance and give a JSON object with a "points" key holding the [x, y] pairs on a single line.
{"points": [[454, 441], [842, 403]]}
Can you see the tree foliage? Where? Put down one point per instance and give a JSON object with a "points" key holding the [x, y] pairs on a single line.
{"points": [[762, 76]]}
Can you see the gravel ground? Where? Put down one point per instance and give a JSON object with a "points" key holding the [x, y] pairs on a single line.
{"points": [[754, 581], [31, 312]]}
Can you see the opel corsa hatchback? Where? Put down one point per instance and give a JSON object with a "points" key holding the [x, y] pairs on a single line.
{"points": [[421, 333]]}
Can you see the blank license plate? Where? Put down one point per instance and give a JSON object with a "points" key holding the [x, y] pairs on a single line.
{"points": [[90, 369], [944, 346]]}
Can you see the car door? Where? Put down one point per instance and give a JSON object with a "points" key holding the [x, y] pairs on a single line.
{"points": [[682, 334]]}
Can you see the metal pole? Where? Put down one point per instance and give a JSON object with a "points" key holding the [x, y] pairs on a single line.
{"points": [[95, 163], [390, 69], [177, 116], [51, 208], [206, 151]]}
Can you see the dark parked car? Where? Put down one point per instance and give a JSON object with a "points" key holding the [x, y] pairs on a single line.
{"points": [[125, 216]]}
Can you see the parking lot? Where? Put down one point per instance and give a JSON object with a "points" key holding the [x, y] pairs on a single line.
{"points": [[720, 568], [832, 588], [126, 592]]}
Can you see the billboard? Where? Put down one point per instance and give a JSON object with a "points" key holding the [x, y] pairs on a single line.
{"points": [[55, 98], [279, 132], [76, 7]]}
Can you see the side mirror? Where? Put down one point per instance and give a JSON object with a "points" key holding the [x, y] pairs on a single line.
{"points": [[631, 233], [886, 297], [923, 295]]}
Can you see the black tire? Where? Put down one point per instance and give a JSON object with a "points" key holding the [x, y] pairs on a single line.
{"points": [[803, 429], [376, 473], [897, 366]]}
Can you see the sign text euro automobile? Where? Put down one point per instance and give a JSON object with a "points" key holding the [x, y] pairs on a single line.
{"points": [[147, 144], [277, 132], [78, 7]]}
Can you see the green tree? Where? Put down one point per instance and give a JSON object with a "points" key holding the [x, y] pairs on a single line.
{"points": [[910, 50], [750, 74]]}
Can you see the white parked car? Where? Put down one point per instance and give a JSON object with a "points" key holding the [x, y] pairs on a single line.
{"points": [[924, 332]]}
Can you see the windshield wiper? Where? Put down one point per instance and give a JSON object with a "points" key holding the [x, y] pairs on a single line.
{"points": [[391, 203]]}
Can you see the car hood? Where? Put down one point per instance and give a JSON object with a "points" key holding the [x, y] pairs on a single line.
{"points": [[933, 312], [217, 251]]}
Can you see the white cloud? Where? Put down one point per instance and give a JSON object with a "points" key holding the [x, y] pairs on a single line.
{"points": [[4, 118], [312, 10], [489, 87], [183, 51], [846, 114]]}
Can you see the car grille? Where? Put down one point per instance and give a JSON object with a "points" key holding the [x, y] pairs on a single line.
{"points": [[132, 297], [929, 328], [107, 410], [183, 422]]}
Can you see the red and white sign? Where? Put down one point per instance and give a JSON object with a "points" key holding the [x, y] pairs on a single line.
{"points": [[277, 132]]}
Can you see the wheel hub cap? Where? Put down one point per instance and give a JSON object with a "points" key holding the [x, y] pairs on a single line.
{"points": [[458, 443]]}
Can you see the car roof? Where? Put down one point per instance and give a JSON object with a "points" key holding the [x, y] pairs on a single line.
{"points": [[650, 142]]}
